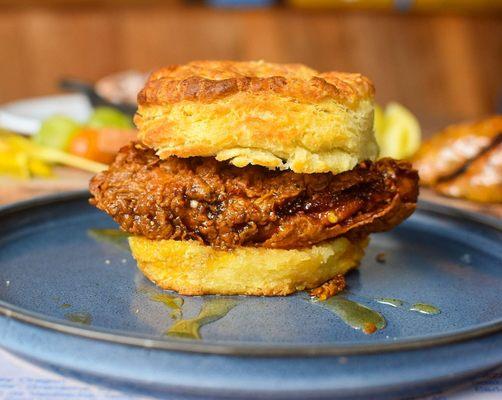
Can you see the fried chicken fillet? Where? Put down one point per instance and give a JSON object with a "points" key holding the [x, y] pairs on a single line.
{"points": [[224, 206]]}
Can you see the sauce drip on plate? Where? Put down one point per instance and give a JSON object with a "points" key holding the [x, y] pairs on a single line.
{"points": [[355, 314], [114, 237], [422, 308], [211, 310], [389, 301], [173, 302], [83, 318], [425, 309]]}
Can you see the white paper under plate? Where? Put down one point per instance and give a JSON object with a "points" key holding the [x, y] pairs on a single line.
{"points": [[21, 380]]}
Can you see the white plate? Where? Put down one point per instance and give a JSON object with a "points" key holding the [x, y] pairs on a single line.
{"points": [[25, 116]]}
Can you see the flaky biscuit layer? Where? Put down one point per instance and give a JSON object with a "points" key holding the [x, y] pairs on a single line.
{"points": [[274, 115], [192, 268]]}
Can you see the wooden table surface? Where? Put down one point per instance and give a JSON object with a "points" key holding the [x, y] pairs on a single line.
{"points": [[65, 179]]}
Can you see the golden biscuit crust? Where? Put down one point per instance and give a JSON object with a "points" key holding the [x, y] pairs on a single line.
{"points": [[274, 115], [206, 81], [191, 268]]}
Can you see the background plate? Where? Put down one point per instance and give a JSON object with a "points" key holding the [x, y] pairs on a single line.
{"points": [[50, 266], [25, 116]]}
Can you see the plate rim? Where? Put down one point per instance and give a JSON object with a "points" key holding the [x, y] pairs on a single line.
{"points": [[213, 347]]}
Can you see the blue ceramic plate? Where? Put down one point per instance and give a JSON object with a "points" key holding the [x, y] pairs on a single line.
{"points": [[72, 298]]}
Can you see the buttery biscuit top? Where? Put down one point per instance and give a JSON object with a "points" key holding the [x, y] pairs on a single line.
{"points": [[284, 116], [209, 80]]}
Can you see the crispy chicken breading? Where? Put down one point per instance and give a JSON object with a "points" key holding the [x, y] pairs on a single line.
{"points": [[225, 206]]}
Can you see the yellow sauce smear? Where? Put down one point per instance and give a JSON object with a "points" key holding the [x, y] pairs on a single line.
{"points": [[211, 310]]}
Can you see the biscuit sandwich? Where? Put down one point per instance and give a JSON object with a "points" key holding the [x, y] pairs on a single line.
{"points": [[252, 178]]}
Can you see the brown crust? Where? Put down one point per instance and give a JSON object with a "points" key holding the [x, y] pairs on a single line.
{"points": [[330, 288], [206, 81], [443, 156], [480, 181]]}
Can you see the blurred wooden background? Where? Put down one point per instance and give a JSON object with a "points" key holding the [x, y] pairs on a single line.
{"points": [[444, 67]]}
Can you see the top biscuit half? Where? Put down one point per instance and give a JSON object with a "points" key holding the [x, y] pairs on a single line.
{"points": [[274, 115]]}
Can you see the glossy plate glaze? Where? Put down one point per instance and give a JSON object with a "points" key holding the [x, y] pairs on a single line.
{"points": [[74, 300]]}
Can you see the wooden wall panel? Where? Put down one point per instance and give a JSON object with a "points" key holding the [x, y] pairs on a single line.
{"points": [[444, 67]]}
